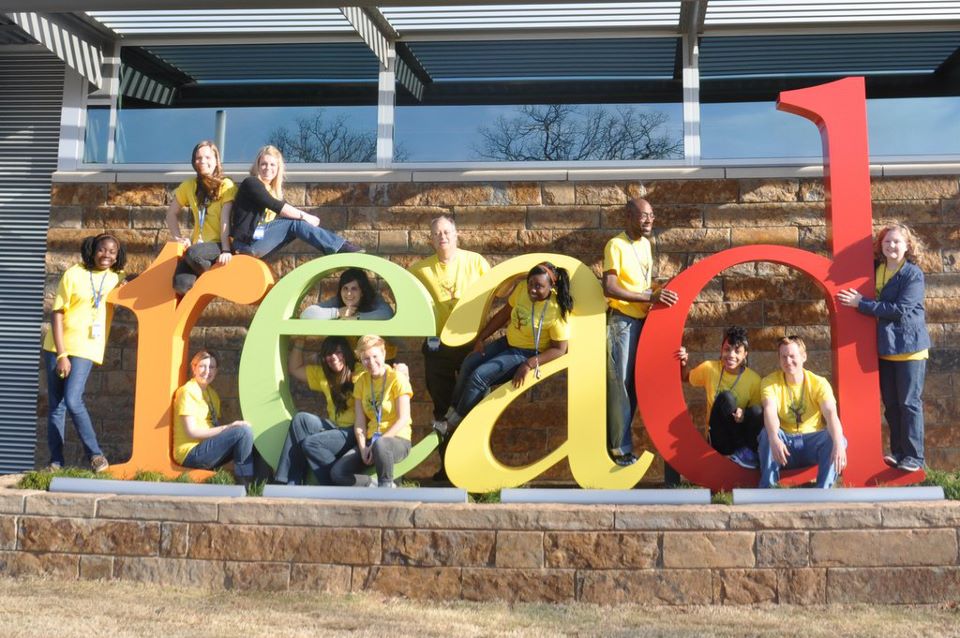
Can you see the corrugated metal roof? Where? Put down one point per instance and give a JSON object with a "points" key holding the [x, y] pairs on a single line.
{"points": [[865, 53], [774, 12], [634, 58], [224, 21], [272, 62], [618, 15]]}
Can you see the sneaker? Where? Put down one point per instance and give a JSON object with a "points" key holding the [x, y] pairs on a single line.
{"points": [[441, 427], [54, 467], [99, 463], [350, 247], [745, 458], [910, 465], [890, 460], [625, 460], [387, 484]]}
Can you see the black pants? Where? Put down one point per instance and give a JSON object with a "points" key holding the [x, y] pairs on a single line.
{"points": [[195, 261], [726, 435], [440, 369]]}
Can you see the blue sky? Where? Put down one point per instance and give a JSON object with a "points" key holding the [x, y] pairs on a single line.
{"points": [[911, 126]]}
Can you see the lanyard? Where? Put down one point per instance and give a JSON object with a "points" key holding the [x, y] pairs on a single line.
{"points": [[643, 267], [214, 419], [97, 292], [720, 382], [376, 404], [537, 330], [201, 215], [796, 407]]}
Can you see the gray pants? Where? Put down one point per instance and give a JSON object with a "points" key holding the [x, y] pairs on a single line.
{"points": [[350, 468]]}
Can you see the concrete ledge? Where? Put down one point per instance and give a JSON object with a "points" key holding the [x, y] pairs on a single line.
{"points": [[837, 495], [405, 494], [606, 497], [142, 488]]}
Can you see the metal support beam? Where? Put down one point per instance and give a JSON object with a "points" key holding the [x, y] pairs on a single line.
{"points": [[386, 108], [692, 16], [78, 54], [379, 35]]}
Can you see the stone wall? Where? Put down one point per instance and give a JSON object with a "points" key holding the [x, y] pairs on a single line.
{"points": [[695, 218], [657, 555]]}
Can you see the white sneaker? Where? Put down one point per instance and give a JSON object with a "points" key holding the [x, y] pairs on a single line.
{"points": [[388, 484]]}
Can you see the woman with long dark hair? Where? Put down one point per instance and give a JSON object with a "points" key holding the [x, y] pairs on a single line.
{"points": [[356, 299]]}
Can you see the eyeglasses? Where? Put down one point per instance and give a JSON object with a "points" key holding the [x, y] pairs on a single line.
{"points": [[647, 216]]}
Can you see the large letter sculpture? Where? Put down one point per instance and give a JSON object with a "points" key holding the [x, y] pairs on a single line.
{"points": [[838, 110], [264, 388], [163, 330], [470, 461]]}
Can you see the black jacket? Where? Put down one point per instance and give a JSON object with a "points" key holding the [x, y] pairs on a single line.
{"points": [[251, 201]]}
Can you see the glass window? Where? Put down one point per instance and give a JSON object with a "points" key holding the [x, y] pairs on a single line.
{"points": [[96, 134]]}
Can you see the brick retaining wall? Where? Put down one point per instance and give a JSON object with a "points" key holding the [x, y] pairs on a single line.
{"points": [[695, 217], [658, 555]]}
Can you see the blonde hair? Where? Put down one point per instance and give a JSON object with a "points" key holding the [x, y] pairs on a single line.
{"points": [[275, 186], [369, 341], [914, 245], [787, 340], [204, 354]]}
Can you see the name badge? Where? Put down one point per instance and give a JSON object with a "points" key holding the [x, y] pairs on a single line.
{"points": [[258, 233], [433, 344], [96, 330]]}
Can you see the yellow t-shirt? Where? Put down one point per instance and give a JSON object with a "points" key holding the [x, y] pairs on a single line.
{"points": [[318, 382], [383, 391], [75, 295], [191, 400], [710, 374], [806, 397], [521, 330], [884, 275], [632, 261], [186, 195], [446, 283]]}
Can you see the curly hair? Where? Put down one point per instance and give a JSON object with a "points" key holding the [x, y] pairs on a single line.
{"points": [[90, 245], [915, 247]]}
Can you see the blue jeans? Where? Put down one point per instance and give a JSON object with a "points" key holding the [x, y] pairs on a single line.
{"points": [[312, 441], [211, 453], [901, 388], [283, 230], [350, 469], [622, 335], [66, 395], [815, 448], [481, 371]]}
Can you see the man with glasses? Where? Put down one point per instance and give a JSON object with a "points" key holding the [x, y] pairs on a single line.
{"points": [[630, 291], [446, 275], [800, 422]]}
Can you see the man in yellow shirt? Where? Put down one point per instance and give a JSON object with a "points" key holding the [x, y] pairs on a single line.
{"points": [[446, 275], [800, 422], [628, 285]]}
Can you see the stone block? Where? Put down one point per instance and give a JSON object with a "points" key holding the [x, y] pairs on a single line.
{"points": [[327, 579], [645, 587], [174, 539], [514, 517], [136, 195], [12, 501], [314, 513], [916, 211], [486, 217], [338, 195], [602, 194], [517, 193], [517, 550], [259, 576], [391, 241], [170, 572], [769, 288], [893, 585], [868, 548], [776, 235], [746, 586], [96, 567], [601, 550], [802, 586], [689, 216], [926, 514], [564, 217], [898, 188], [120, 538], [87, 195], [812, 190], [66, 216], [487, 241], [708, 549], [557, 193], [793, 313], [769, 190], [438, 548], [424, 583], [689, 240], [783, 549], [278, 543], [692, 191], [804, 517], [20, 563], [8, 532], [722, 315], [465, 194], [106, 217], [518, 585]]}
